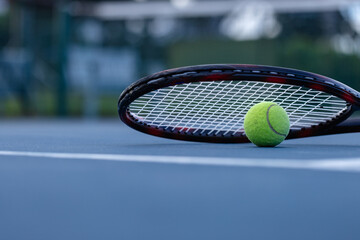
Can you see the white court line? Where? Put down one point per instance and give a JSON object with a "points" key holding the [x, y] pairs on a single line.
{"points": [[348, 165]]}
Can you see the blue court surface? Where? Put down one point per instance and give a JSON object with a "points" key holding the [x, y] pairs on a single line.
{"points": [[77, 179]]}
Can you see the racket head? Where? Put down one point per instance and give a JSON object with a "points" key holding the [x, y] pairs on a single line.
{"points": [[231, 86]]}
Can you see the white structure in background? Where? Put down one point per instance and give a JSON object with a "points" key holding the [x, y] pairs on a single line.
{"points": [[352, 14], [114, 65], [181, 3], [251, 21], [93, 71], [348, 43], [243, 19], [140, 9]]}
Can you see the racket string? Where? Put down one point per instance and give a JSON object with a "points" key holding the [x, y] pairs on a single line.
{"points": [[220, 107], [214, 109], [242, 114], [209, 107], [169, 106]]}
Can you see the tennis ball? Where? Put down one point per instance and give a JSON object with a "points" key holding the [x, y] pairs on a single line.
{"points": [[266, 124]]}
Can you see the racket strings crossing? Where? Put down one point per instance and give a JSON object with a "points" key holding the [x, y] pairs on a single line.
{"points": [[219, 107]]}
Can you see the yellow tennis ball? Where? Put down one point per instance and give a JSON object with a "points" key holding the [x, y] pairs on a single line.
{"points": [[266, 124]]}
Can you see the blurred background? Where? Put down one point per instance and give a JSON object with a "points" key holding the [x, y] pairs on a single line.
{"points": [[73, 58]]}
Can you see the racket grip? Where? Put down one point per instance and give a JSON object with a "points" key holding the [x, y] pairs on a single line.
{"points": [[348, 126]]}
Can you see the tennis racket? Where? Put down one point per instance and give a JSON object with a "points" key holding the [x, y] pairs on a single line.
{"points": [[208, 103]]}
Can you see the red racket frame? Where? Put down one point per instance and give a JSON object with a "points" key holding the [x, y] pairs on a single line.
{"points": [[223, 72]]}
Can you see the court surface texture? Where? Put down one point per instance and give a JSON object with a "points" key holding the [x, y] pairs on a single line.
{"points": [[77, 179]]}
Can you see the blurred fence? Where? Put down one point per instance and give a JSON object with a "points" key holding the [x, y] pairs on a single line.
{"points": [[75, 58]]}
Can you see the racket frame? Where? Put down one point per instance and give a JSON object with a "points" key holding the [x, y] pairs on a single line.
{"points": [[242, 72]]}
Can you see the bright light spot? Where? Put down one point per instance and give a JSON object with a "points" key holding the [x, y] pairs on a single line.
{"points": [[181, 3], [352, 15], [251, 21]]}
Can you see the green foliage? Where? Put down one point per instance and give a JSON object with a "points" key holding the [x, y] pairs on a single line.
{"points": [[108, 106], [45, 105], [11, 107], [300, 53]]}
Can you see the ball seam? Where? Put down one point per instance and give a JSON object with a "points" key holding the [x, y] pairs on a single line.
{"points": [[268, 121]]}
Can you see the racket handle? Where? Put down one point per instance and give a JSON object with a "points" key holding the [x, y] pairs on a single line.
{"points": [[348, 126]]}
